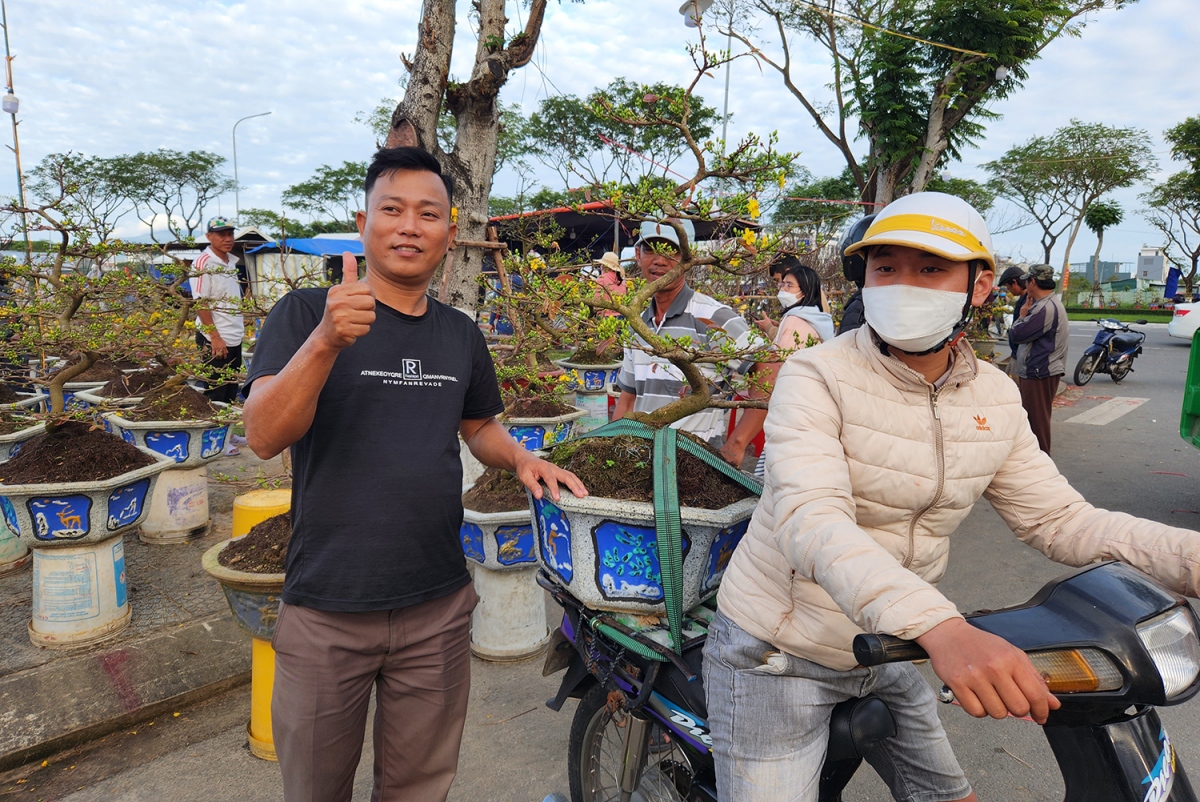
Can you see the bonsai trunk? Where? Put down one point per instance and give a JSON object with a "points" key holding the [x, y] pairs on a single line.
{"points": [[58, 403]]}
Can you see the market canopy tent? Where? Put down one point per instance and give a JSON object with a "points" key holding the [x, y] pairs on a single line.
{"points": [[277, 267]]}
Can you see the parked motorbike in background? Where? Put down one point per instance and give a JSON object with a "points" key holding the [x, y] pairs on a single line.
{"points": [[1112, 352], [1111, 643]]}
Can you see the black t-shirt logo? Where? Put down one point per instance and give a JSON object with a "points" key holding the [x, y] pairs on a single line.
{"points": [[412, 370]]}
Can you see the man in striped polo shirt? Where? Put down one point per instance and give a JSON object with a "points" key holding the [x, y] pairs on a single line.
{"points": [[219, 323], [649, 382]]}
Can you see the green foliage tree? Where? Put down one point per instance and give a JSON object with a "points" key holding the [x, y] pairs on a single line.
{"points": [[980, 194], [1057, 178], [1101, 215], [802, 205], [568, 134], [170, 188], [1174, 205], [334, 193], [543, 198], [915, 103]]}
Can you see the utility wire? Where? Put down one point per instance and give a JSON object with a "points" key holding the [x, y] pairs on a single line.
{"points": [[830, 13]]}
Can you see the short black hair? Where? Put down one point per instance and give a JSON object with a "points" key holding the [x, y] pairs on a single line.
{"points": [[777, 268], [389, 160]]}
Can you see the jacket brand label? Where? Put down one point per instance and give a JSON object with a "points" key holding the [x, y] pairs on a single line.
{"points": [[981, 424]]}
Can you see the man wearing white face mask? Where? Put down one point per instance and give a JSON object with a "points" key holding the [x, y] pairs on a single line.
{"points": [[878, 445]]}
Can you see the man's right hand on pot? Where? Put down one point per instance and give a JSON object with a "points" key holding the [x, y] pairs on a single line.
{"points": [[349, 308]]}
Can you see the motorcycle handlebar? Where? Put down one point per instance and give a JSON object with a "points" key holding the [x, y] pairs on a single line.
{"points": [[874, 650]]}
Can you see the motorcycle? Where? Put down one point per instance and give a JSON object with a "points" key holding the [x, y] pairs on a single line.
{"points": [[1112, 644], [1112, 352]]}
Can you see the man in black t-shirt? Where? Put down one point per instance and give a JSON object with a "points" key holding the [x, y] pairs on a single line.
{"points": [[370, 383]]}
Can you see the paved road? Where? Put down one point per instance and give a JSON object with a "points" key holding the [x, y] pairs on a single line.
{"points": [[515, 749]]}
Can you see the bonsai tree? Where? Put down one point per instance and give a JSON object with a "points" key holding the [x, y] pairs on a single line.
{"points": [[721, 193], [91, 298]]}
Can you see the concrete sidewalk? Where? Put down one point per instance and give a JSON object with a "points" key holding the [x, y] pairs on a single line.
{"points": [[180, 646]]}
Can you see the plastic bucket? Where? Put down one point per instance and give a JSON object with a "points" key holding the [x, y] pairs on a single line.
{"points": [[178, 507], [79, 594], [595, 407], [257, 506]]}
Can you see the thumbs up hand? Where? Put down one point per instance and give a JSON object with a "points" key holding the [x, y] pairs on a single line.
{"points": [[349, 308]]}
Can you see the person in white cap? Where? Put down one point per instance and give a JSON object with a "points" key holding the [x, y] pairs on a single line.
{"points": [[879, 443], [648, 382]]}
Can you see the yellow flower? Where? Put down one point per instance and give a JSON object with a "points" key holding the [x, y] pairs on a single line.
{"points": [[453, 214], [753, 208], [748, 237], [782, 180], [734, 262]]}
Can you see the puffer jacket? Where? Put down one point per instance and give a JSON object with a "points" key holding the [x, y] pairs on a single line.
{"points": [[870, 469]]}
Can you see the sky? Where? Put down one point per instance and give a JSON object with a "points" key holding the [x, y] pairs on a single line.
{"points": [[106, 77]]}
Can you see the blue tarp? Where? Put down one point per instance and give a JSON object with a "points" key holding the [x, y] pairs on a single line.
{"points": [[318, 246]]}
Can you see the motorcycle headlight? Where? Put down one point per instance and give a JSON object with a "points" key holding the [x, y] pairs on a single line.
{"points": [[1173, 644]]}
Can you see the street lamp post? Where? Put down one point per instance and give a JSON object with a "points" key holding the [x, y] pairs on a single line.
{"points": [[237, 205]]}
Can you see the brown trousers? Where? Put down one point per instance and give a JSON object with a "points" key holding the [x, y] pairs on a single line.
{"points": [[419, 660], [1037, 396]]}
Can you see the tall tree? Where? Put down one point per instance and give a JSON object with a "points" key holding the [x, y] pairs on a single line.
{"points": [[171, 188], [91, 195], [916, 104], [333, 193], [811, 205], [470, 158], [1174, 205], [1057, 178], [1101, 215], [576, 139]]}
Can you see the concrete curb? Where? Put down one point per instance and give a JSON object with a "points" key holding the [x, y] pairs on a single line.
{"points": [[65, 702]]}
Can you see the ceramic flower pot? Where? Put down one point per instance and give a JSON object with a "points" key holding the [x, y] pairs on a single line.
{"points": [[33, 402], [605, 551], [189, 443], [253, 598], [11, 443], [69, 514], [499, 541], [94, 398], [509, 623], [590, 378], [537, 434]]}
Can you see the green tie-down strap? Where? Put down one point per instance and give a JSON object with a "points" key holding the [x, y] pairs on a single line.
{"points": [[667, 524]]}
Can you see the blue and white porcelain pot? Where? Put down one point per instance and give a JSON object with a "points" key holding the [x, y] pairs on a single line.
{"points": [[253, 598], [585, 378], [74, 513], [538, 434], [605, 551], [189, 443], [499, 541]]}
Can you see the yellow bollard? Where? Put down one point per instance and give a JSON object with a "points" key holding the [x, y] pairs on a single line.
{"points": [[262, 683], [257, 506], [250, 509]]}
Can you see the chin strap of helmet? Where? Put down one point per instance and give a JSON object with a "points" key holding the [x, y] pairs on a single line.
{"points": [[960, 328]]}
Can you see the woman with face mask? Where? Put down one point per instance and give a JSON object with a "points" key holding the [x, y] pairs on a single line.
{"points": [[879, 443], [805, 322]]}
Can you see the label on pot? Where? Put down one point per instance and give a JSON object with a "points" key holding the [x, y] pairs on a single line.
{"points": [[65, 587]]}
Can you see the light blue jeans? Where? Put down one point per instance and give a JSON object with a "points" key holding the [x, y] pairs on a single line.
{"points": [[769, 717]]}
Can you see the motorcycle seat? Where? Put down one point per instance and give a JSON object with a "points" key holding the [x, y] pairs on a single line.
{"points": [[1124, 342], [856, 725]]}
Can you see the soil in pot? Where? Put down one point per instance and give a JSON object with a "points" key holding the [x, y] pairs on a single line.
{"points": [[621, 468], [101, 371], [496, 491], [72, 452], [10, 422], [131, 384], [178, 402], [264, 548], [536, 408], [8, 395], [589, 356]]}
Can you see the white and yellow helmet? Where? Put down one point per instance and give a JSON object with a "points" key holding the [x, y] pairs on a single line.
{"points": [[933, 222]]}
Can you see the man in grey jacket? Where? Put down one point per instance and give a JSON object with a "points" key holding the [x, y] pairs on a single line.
{"points": [[1040, 335]]}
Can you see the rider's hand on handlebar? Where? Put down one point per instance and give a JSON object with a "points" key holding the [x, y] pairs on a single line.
{"points": [[989, 676]]}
